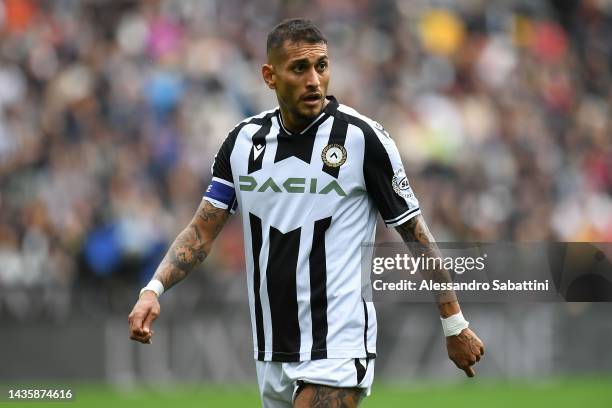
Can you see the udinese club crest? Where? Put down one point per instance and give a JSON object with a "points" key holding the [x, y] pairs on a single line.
{"points": [[334, 155]]}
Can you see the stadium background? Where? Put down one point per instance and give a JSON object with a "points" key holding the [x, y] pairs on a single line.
{"points": [[110, 115]]}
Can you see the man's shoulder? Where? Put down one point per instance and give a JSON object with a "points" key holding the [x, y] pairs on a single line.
{"points": [[367, 125], [259, 118]]}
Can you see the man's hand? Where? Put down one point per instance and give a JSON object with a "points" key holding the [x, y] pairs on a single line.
{"points": [[187, 251], [145, 311], [465, 350]]}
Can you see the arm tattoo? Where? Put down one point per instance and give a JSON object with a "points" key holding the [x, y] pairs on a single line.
{"points": [[192, 245], [187, 250], [212, 215], [415, 230], [330, 397], [416, 234], [208, 213]]}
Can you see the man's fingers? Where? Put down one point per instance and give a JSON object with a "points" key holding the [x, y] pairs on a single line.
{"points": [[146, 326], [465, 351], [469, 371], [141, 339], [137, 329], [140, 320], [135, 321], [479, 345]]}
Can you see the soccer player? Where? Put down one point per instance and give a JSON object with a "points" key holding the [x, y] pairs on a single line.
{"points": [[309, 178]]}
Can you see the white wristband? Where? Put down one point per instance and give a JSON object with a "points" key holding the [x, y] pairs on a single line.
{"points": [[155, 286], [453, 325]]}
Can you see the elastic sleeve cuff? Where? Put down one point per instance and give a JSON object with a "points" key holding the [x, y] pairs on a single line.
{"points": [[215, 203], [399, 220]]}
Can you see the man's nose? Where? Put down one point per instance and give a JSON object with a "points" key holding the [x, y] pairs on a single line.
{"points": [[312, 78]]}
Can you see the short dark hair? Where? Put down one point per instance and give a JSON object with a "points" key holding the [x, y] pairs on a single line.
{"points": [[294, 30]]}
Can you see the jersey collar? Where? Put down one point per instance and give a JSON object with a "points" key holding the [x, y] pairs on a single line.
{"points": [[329, 109]]}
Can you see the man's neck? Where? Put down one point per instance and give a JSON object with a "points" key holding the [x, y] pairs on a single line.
{"points": [[296, 126]]}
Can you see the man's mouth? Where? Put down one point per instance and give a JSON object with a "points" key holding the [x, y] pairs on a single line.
{"points": [[311, 99]]}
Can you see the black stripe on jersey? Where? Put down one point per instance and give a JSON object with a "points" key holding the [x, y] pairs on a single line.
{"points": [[256, 239], [365, 330], [261, 120], [221, 166], [282, 294], [336, 136], [365, 326], [361, 371], [259, 142], [299, 145], [377, 170], [318, 290]]}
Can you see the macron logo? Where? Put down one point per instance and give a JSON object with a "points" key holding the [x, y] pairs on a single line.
{"points": [[258, 150]]}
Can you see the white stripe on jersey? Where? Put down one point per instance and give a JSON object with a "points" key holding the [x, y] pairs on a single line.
{"points": [[220, 180], [216, 203]]}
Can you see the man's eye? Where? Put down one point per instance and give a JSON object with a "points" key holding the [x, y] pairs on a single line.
{"points": [[322, 66], [298, 69]]}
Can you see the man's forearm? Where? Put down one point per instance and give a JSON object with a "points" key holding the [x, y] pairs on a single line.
{"points": [[191, 246], [185, 253], [415, 231]]}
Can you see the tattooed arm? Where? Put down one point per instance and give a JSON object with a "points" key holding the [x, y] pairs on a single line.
{"points": [[466, 348], [192, 245], [416, 234], [187, 251]]}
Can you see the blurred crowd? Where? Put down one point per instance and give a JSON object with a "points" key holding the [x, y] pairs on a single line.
{"points": [[111, 113]]}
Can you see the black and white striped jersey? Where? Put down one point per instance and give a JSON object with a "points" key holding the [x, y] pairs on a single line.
{"points": [[308, 200]]}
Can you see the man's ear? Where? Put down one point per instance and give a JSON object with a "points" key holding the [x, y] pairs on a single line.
{"points": [[267, 72]]}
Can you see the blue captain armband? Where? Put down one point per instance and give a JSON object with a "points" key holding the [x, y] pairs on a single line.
{"points": [[221, 194]]}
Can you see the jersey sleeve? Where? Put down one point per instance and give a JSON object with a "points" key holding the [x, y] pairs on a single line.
{"points": [[220, 192], [386, 180]]}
